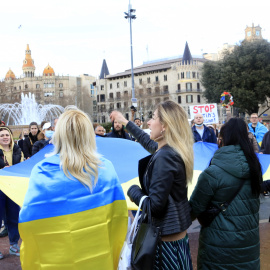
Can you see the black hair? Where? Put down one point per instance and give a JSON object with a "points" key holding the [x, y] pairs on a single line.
{"points": [[137, 119], [33, 124], [234, 132]]}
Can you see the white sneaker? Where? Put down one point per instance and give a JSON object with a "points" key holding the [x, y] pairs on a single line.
{"points": [[14, 250]]}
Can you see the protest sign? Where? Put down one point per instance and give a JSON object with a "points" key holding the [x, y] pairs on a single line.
{"points": [[208, 111]]}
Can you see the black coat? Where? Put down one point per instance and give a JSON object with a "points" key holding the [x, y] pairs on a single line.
{"points": [[16, 157], [28, 144], [39, 145], [163, 178], [265, 148]]}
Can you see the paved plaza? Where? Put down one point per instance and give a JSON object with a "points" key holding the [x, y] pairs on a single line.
{"points": [[13, 263]]}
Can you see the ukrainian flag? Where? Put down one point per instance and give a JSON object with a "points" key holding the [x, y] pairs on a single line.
{"points": [[63, 226]]}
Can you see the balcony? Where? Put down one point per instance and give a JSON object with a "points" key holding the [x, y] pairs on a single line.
{"points": [[166, 92]]}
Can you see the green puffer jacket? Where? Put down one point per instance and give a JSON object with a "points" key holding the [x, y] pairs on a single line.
{"points": [[232, 240]]}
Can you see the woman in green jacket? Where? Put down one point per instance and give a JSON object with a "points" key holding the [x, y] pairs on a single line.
{"points": [[231, 241]]}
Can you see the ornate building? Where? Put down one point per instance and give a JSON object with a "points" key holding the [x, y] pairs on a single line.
{"points": [[48, 88], [176, 79]]}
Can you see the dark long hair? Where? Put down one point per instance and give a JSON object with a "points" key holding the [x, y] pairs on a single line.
{"points": [[235, 132]]}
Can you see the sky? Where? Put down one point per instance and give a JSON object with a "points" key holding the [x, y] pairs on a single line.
{"points": [[75, 36]]}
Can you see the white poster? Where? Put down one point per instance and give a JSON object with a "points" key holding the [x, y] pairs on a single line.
{"points": [[208, 111]]}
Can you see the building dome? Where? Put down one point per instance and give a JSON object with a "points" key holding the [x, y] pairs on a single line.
{"points": [[10, 75], [48, 71]]}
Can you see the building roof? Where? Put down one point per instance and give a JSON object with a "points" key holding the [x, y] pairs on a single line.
{"points": [[10, 75], [187, 57], [104, 70], [148, 67], [48, 71]]}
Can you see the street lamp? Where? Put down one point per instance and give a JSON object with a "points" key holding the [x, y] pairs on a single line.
{"points": [[131, 16]]}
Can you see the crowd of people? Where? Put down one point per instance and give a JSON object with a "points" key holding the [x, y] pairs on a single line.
{"points": [[233, 179]]}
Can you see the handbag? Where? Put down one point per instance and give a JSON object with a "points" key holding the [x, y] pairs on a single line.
{"points": [[146, 240], [207, 217], [125, 254]]}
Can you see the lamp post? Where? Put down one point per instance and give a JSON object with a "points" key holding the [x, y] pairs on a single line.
{"points": [[131, 16]]}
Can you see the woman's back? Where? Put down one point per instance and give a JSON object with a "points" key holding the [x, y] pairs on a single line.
{"points": [[232, 239], [74, 214]]}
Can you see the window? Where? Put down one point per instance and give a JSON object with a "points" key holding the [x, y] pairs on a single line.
{"points": [[148, 80], [102, 98], [179, 99], [91, 86], [111, 106], [26, 86], [92, 93], [166, 98], [193, 75], [198, 75], [97, 98], [118, 105], [127, 116], [20, 87], [37, 86], [257, 33], [61, 85], [140, 92], [179, 87], [102, 87], [140, 81], [149, 91], [198, 98], [149, 102], [125, 93], [48, 94], [125, 104], [125, 83], [188, 74], [198, 86], [182, 75], [61, 94], [15, 88], [117, 85], [189, 86], [118, 94], [110, 85], [166, 88], [157, 101], [156, 78], [165, 78], [189, 99], [111, 95], [157, 90]]}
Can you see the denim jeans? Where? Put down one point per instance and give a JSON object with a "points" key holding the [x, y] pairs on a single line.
{"points": [[12, 217]]}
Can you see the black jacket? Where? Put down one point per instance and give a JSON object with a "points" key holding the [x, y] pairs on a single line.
{"points": [[163, 178], [16, 157], [265, 148], [208, 135], [39, 145], [28, 144]]}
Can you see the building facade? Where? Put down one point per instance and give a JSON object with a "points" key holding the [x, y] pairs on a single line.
{"points": [[48, 88], [157, 81]]}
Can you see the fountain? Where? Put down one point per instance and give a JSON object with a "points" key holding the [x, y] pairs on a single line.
{"points": [[28, 111]]}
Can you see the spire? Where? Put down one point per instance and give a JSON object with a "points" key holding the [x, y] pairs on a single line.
{"points": [[187, 57], [104, 70], [28, 63]]}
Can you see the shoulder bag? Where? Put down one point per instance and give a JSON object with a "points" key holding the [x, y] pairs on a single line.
{"points": [[207, 217], [125, 254], [146, 240]]}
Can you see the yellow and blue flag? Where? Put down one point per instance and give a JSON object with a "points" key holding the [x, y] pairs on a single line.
{"points": [[64, 226]]}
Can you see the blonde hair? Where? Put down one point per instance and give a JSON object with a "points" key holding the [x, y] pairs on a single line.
{"points": [[178, 134], [74, 140]]}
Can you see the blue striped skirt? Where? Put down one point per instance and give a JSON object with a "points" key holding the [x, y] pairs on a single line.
{"points": [[175, 255]]}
